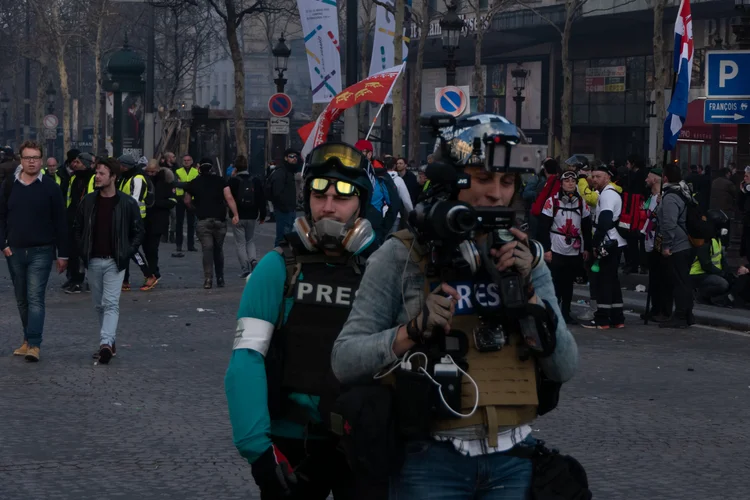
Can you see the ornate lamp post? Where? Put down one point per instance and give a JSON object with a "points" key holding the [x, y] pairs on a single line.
{"points": [[281, 52], [214, 103], [451, 26], [519, 84], [125, 69]]}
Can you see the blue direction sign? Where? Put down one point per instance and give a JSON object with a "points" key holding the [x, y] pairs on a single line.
{"points": [[728, 74], [726, 111]]}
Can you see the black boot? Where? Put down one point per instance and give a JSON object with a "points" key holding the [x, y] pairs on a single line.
{"points": [[208, 283], [220, 281]]}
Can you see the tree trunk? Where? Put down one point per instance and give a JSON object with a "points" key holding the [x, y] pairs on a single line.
{"points": [[65, 92], [15, 111], [98, 73], [567, 96], [660, 75], [41, 95], [398, 55], [416, 85], [239, 79], [363, 118], [478, 82]]}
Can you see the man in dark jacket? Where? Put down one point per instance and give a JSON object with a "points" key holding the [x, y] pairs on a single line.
{"points": [[110, 230], [282, 190], [248, 194], [700, 186], [745, 211], [78, 188], [157, 218]]}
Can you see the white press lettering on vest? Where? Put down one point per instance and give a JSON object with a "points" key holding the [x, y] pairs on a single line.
{"points": [[320, 293], [486, 295]]}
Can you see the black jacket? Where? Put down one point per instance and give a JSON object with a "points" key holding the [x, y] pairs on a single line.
{"points": [[157, 216], [79, 183], [282, 188], [258, 208], [127, 227]]}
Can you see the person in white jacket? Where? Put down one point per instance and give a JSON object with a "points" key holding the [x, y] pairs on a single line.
{"points": [[403, 191]]}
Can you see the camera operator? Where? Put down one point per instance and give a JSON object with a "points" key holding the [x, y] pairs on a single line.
{"points": [[394, 313]]}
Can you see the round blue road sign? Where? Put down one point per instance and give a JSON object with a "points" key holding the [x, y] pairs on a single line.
{"points": [[451, 100], [280, 105]]}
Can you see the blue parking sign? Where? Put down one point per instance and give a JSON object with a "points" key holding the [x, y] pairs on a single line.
{"points": [[728, 74]]}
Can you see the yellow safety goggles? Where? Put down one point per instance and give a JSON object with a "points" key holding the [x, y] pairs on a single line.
{"points": [[340, 154], [343, 188]]}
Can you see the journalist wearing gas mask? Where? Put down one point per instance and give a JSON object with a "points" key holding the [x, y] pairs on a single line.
{"points": [[279, 382], [462, 313]]}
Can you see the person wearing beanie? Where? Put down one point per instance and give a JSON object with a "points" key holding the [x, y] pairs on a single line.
{"points": [[565, 234], [282, 192], [208, 193], [659, 287], [607, 246]]}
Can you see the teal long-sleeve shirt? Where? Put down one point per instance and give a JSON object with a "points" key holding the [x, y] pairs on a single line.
{"points": [[245, 381]]}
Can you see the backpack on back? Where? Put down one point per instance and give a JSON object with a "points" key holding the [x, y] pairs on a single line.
{"points": [[150, 196], [551, 186], [246, 191], [698, 227]]}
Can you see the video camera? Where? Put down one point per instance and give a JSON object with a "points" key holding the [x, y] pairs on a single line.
{"points": [[449, 227]]}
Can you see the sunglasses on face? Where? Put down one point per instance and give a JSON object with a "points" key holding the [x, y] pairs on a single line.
{"points": [[320, 185]]}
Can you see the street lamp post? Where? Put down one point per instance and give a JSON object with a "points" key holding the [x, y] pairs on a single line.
{"points": [[281, 53], [519, 84], [450, 28], [214, 103], [4, 101], [125, 69], [51, 93], [742, 33], [716, 131]]}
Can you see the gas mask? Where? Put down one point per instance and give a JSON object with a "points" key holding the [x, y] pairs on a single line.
{"points": [[328, 234]]}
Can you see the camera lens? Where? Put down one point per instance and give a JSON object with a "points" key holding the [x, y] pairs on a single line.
{"points": [[461, 219]]}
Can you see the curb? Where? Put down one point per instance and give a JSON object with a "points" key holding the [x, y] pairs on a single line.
{"points": [[704, 315]]}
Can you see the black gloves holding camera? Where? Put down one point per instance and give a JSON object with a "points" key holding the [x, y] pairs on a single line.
{"points": [[273, 473]]}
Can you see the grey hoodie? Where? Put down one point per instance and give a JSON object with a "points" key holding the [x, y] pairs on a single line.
{"points": [[672, 216], [391, 292]]}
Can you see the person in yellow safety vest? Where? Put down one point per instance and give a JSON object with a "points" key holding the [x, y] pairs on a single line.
{"points": [[709, 273], [61, 177], [133, 182], [186, 173]]}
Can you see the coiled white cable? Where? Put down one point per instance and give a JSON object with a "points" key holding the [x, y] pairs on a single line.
{"points": [[440, 388]]}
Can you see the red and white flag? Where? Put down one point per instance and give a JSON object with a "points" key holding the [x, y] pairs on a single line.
{"points": [[376, 88]]}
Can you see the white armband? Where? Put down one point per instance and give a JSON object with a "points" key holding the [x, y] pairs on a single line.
{"points": [[254, 334]]}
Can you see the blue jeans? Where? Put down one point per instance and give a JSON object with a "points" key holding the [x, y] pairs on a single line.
{"points": [[284, 225], [29, 270], [105, 281], [435, 470]]}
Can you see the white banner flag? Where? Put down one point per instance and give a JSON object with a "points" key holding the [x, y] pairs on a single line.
{"points": [[320, 25], [382, 45]]}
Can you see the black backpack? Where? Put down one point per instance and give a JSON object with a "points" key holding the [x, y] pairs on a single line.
{"points": [[698, 226], [246, 191]]}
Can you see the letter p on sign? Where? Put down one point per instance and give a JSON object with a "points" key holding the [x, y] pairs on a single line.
{"points": [[727, 71]]}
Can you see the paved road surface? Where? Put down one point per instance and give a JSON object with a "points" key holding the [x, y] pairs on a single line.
{"points": [[651, 415]]}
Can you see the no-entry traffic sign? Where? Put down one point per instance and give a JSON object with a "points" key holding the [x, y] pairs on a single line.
{"points": [[451, 100], [280, 105]]}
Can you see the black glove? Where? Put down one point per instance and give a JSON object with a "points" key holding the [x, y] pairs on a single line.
{"points": [[273, 473]]}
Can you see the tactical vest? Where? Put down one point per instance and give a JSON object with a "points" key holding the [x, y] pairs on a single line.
{"points": [[507, 385], [716, 255], [299, 359]]}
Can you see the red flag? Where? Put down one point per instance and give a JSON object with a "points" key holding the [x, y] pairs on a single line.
{"points": [[375, 88]]}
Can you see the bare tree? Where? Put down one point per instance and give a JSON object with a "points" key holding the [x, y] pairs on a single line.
{"points": [[367, 23], [660, 71], [421, 20], [398, 58], [482, 24], [232, 13], [573, 9]]}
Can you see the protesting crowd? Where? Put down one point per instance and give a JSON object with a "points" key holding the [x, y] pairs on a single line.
{"points": [[469, 333], [646, 221]]}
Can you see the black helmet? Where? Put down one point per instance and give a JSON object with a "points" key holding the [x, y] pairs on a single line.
{"points": [[340, 161], [127, 161], [475, 139]]}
